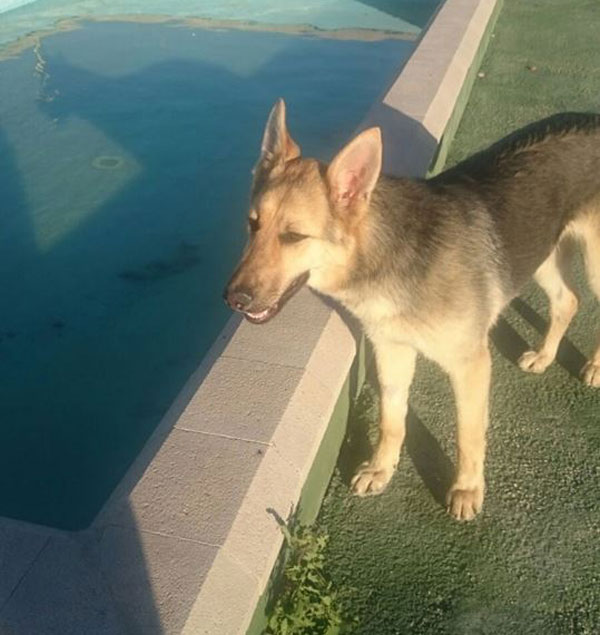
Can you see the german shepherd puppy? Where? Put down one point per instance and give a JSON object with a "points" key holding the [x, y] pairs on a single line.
{"points": [[427, 265]]}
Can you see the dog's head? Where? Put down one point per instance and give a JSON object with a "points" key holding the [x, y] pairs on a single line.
{"points": [[304, 219]]}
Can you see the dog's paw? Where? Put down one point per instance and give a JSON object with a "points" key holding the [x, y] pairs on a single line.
{"points": [[464, 504], [370, 480], [591, 374], [534, 361]]}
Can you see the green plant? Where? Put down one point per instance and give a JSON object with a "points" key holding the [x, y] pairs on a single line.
{"points": [[308, 603]]}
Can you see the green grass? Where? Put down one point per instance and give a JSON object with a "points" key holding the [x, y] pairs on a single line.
{"points": [[530, 563]]}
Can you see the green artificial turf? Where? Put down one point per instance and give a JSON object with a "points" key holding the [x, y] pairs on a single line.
{"points": [[530, 563]]}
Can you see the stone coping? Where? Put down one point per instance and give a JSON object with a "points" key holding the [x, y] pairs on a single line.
{"points": [[188, 540]]}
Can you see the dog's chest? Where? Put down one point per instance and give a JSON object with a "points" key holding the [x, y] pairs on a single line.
{"points": [[384, 320]]}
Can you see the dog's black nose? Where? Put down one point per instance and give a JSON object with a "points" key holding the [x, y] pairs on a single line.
{"points": [[238, 299]]}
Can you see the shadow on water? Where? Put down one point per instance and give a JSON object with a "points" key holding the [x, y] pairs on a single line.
{"points": [[100, 576], [416, 12], [94, 318]]}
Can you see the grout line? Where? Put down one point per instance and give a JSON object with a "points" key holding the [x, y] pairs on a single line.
{"points": [[259, 361], [223, 436], [174, 536]]}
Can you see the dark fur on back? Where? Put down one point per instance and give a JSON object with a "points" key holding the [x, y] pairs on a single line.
{"points": [[532, 183], [503, 208]]}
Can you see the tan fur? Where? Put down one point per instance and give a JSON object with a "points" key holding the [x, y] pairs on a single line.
{"points": [[588, 230]]}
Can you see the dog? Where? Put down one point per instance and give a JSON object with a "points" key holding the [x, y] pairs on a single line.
{"points": [[427, 265]]}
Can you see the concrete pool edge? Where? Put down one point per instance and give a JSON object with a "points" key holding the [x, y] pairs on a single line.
{"points": [[208, 584]]}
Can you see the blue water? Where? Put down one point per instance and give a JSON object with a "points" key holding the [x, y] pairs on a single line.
{"points": [[125, 158]]}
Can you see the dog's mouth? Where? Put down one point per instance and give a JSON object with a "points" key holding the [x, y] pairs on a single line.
{"points": [[260, 317]]}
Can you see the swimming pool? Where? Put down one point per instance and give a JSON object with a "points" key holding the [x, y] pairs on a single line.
{"points": [[125, 157]]}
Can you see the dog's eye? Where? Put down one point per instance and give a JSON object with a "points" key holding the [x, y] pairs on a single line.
{"points": [[291, 237], [253, 224]]}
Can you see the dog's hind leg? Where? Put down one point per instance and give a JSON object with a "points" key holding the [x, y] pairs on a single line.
{"points": [[590, 232], [591, 371], [395, 369], [551, 276], [470, 377]]}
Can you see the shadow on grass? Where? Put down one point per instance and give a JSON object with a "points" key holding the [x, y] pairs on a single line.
{"points": [[511, 345], [508, 342], [356, 447], [431, 462]]}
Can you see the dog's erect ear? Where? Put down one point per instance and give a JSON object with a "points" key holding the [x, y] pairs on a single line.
{"points": [[354, 171], [277, 145]]}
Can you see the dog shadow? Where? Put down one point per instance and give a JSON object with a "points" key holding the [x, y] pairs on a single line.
{"points": [[356, 447], [429, 459], [511, 345], [432, 464]]}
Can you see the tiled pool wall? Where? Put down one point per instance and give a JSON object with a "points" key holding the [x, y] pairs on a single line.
{"points": [[147, 565]]}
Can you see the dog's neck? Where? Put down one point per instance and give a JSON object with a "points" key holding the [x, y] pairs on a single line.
{"points": [[397, 232], [387, 252]]}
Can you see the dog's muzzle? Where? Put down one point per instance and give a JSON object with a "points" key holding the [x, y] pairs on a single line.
{"points": [[241, 300]]}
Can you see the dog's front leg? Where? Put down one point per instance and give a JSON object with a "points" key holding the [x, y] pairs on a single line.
{"points": [[470, 379], [395, 368]]}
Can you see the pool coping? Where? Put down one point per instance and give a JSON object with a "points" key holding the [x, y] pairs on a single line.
{"points": [[152, 533]]}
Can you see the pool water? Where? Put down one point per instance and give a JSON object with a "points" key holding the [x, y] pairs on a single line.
{"points": [[125, 158]]}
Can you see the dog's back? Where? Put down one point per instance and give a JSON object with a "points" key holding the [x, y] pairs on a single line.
{"points": [[534, 183]]}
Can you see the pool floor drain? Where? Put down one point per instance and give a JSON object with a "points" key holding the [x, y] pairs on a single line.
{"points": [[107, 163]]}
